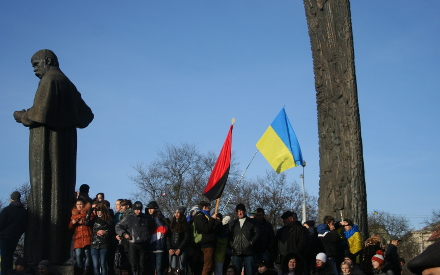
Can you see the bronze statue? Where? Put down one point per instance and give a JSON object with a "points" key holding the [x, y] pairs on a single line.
{"points": [[57, 111]]}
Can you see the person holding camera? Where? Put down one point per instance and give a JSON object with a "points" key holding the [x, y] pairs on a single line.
{"points": [[102, 228], [82, 235]]}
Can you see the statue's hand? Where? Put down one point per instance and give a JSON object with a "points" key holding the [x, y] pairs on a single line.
{"points": [[18, 115]]}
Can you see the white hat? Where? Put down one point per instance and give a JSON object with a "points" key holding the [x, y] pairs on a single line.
{"points": [[321, 256]]}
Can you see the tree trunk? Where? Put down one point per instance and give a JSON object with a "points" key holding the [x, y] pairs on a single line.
{"points": [[342, 192]]}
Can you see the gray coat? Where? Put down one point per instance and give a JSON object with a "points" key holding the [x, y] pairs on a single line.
{"points": [[135, 226]]}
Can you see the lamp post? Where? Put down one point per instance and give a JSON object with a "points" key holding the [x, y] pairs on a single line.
{"points": [[304, 216]]}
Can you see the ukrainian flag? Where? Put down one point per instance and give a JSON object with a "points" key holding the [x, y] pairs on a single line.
{"points": [[279, 144]]}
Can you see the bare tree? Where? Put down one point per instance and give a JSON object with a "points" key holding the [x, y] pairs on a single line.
{"points": [[394, 224], [177, 177], [275, 195], [434, 221], [342, 182]]}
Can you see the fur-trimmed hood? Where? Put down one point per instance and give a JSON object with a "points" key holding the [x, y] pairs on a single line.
{"points": [[83, 211]]}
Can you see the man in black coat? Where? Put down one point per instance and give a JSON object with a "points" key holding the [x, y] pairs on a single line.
{"points": [[265, 244], [391, 255], [244, 234], [134, 228], [204, 224], [12, 226], [292, 237]]}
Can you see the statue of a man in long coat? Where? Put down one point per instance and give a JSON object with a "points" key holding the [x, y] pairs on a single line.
{"points": [[57, 111]]}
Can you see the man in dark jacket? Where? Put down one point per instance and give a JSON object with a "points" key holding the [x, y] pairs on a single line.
{"points": [[391, 255], [267, 237], [12, 226], [134, 228], [292, 237], [244, 234], [204, 224], [330, 235]]}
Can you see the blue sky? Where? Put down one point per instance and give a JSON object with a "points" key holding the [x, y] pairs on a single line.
{"points": [[178, 71]]}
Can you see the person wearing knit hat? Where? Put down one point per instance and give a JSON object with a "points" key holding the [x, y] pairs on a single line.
{"points": [[137, 206], [379, 266], [134, 228], [428, 262], [21, 267], [264, 268], [322, 266], [244, 235], [44, 267], [392, 256], [321, 257], [12, 225], [378, 257]]}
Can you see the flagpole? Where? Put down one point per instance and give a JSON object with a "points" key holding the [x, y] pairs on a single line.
{"points": [[216, 206], [242, 175]]}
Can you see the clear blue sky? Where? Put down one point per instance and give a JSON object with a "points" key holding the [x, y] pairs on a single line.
{"points": [[178, 71]]}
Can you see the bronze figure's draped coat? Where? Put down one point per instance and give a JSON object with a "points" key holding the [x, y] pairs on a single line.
{"points": [[58, 110]]}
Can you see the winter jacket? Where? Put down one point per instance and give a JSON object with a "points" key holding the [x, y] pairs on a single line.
{"points": [[386, 270], [331, 240], [293, 238], [102, 241], [135, 226], [178, 240], [13, 221], [354, 239], [243, 239], [158, 228], [206, 226], [325, 269], [368, 252], [82, 234], [392, 257], [267, 238]]}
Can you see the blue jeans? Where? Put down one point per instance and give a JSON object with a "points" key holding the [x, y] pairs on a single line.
{"points": [[82, 253], [99, 260], [178, 260], [332, 261], [155, 262], [247, 262]]}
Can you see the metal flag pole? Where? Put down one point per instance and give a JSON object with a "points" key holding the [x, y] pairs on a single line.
{"points": [[242, 175], [304, 215]]}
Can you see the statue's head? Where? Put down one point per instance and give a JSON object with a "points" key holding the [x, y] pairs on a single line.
{"points": [[42, 61]]}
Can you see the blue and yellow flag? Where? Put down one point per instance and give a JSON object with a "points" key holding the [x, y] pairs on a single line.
{"points": [[279, 144]]}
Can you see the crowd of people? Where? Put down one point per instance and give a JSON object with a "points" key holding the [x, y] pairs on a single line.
{"points": [[199, 242]]}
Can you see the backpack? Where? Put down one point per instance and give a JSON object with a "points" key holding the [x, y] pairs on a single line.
{"points": [[197, 236]]}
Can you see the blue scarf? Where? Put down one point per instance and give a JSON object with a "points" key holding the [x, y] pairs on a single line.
{"points": [[205, 212]]}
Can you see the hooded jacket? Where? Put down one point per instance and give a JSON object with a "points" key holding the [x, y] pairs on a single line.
{"points": [[82, 234]]}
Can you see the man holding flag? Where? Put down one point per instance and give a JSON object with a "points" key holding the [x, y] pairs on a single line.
{"points": [[204, 224]]}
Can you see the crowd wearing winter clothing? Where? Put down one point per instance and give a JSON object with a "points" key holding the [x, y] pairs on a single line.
{"points": [[200, 242]]}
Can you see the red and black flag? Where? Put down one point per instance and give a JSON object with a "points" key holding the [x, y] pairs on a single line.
{"points": [[219, 175]]}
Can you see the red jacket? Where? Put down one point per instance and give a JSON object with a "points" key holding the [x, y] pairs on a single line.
{"points": [[82, 233]]}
